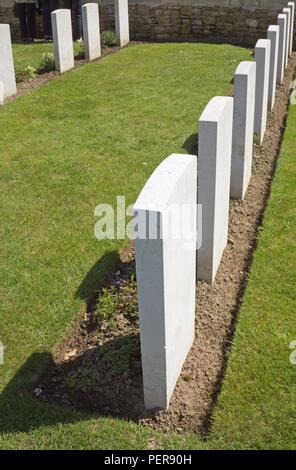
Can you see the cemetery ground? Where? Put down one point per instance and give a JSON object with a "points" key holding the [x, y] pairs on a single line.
{"points": [[31, 54], [32, 70], [80, 140]]}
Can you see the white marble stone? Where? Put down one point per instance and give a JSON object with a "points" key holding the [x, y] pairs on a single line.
{"points": [[214, 163], [1, 93], [287, 12], [122, 22], [282, 23], [7, 74], [262, 55], [273, 35], [166, 278], [291, 5], [91, 31], [63, 40], [243, 128]]}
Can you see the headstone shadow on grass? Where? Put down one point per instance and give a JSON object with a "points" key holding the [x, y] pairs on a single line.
{"points": [[20, 410], [105, 380], [101, 380], [191, 144], [96, 275]]}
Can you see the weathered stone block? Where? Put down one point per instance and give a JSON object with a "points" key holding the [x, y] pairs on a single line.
{"points": [[166, 276], [91, 31], [243, 128], [262, 55], [273, 35], [291, 5], [122, 22], [287, 12], [63, 40], [1, 93], [214, 163], [282, 23], [7, 74]]}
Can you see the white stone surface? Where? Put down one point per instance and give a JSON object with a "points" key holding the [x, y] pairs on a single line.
{"points": [[166, 278], [273, 35], [262, 55], [243, 128], [91, 31], [1, 93], [282, 23], [287, 12], [291, 5], [122, 22], [7, 75], [63, 40], [214, 162]]}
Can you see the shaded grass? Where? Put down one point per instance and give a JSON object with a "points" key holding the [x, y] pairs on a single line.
{"points": [[81, 140]]}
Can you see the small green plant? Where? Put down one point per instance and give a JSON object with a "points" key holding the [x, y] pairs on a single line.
{"points": [[256, 139], [79, 54], [27, 72], [31, 72], [128, 299], [108, 38], [120, 356], [47, 63], [106, 308], [119, 299]]}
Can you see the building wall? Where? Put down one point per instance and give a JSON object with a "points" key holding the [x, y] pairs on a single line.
{"points": [[235, 21]]}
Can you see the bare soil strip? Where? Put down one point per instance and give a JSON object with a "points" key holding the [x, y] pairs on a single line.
{"points": [[97, 367]]}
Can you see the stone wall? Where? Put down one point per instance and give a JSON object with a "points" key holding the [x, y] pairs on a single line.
{"points": [[7, 16], [107, 19], [235, 21]]}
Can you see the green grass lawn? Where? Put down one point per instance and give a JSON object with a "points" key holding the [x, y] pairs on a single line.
{"points": [[31, 54], [78, 141], [257, 407]]}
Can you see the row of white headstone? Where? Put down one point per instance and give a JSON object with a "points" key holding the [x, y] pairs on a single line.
{"points": [[62, 33], [166, 267], [63, 42]]}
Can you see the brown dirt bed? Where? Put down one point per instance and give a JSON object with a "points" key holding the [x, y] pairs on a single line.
{"points": [[97, 367]]}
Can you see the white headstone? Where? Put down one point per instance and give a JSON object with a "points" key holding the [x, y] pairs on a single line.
{"points": [[166, 277], [214, 162], [63, 40], [282, 23], [262, 55], [243, 128], [91, 31], [287, 12], [122, 22], [273, 35], [291, 5], [7, 75], [1, 93]]}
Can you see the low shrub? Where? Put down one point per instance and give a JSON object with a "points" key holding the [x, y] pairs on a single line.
{"points": [[108, 38], [47, 63], [79, 54], [106, 308], [28, 72]]}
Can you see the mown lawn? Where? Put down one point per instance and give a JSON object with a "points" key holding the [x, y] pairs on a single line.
{"points": [[257, 407], [31, 54], [78, 141]]}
